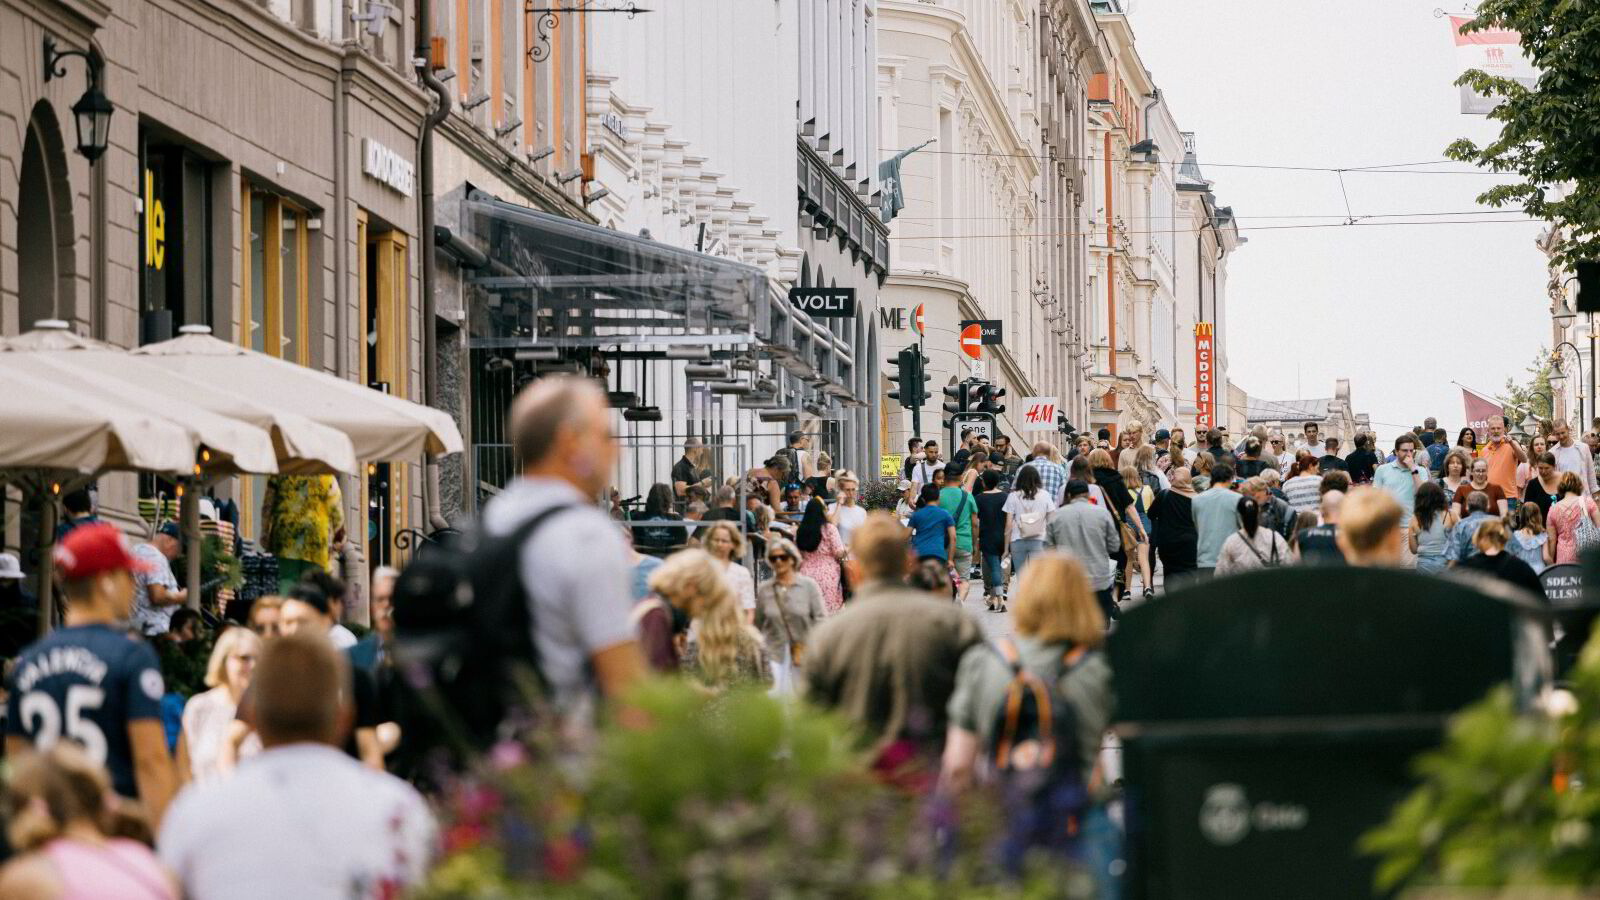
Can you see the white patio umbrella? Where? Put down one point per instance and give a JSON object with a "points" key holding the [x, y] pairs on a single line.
{"points": [[47, 425], [380, 426]]}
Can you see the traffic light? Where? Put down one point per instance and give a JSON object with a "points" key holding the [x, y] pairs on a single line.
{"points": [[958, 402], [909, 378], [1064, 426], [987, 395]]}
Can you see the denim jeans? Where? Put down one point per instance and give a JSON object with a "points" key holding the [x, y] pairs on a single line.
{"points": [[994, 574], [1022, 550]]}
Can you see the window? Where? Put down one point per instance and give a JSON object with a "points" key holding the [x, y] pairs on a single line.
{"points": [[175, 240], [276, 274], [385, 274]]}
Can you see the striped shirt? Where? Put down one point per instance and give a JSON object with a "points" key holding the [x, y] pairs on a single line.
{"points": [[1304, 492]]}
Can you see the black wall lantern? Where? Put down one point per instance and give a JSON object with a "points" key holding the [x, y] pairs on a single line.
{"points": [[93, 110]]}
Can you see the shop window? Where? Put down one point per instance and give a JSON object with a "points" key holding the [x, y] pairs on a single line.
{"points": [[384, 301], [175, 239]]}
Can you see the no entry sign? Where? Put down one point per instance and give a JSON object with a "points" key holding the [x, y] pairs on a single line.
{"points": [[972, 341]]}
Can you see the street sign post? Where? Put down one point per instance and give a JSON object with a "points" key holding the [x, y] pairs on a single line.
{"points": [[972, 340], [982, 423]]}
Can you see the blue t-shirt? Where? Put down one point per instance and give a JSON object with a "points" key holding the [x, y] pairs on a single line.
{"points": [[86, 683], [928, 532]]}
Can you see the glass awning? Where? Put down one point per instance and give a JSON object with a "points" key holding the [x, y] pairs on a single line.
{"points": [[555, 282]]}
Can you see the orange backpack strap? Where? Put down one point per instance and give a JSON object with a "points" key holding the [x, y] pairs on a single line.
{"points": [[1022, 681]]}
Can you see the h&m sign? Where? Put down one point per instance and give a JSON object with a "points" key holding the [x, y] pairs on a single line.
{"points": [[824, 303]]}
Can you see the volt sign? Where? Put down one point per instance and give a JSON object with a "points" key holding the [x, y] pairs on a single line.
{"points": [[824, 303]]}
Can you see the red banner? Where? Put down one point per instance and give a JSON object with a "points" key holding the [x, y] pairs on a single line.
{"points": [[1479, 410], [1204, 376]]}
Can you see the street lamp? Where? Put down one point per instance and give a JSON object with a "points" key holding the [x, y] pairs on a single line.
{"points": [[1558, 377], [92, 112]]}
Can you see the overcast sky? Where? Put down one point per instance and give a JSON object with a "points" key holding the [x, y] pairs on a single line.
{"points": [[1400, 310]]}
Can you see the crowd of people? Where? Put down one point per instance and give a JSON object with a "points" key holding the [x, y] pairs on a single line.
{"points": [[799, 590]]}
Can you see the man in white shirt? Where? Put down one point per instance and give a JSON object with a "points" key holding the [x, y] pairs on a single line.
{"points": [[922, 472], [301, 819], [155, 589], [1571, 456]]}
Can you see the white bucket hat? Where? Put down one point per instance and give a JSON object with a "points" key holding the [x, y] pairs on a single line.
{"points": [[10, 568]]}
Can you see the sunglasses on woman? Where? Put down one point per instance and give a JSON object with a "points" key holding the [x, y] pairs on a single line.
{"points": [[784, 557]]}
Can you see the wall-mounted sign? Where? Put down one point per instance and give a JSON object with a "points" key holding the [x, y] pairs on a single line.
{"points": [[1038, 414], [916, 318], [615, 125], [988, 329], [972, 340], [1205, 400], [890, 465], [892, 317], [155, 224], [824, 303], [387, 166]]}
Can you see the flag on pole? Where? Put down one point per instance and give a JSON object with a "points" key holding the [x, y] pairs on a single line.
{"points": [[1479, 410]]}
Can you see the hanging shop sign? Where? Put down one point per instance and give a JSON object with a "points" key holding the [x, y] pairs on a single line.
{"points": [[1205, 375], [386, 166], [988, 329], [824, 303], [916, 318], [1038, 414]]}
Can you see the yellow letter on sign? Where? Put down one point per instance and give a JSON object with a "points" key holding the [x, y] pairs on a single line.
{"points": [[155, 225]]}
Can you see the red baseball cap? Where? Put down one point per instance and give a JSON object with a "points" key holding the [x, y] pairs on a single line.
{"points": [[89, 550]]}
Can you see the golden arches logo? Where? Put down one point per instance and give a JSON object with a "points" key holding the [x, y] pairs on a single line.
{"points": [[1204, 329]]}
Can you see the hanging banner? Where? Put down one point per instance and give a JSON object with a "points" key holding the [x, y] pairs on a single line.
{"points": [[1479, 411], [1495, 51], [1205, 395], [1038, 414]]}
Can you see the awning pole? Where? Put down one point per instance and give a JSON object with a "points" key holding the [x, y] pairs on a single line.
{"points": [[47, 538], [189, 521]]}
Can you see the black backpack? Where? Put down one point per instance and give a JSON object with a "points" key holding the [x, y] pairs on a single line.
{"points": [[1036, 760], [463, 646]]}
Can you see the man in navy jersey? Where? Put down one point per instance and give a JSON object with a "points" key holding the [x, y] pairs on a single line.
{"points": [[90, 682]]}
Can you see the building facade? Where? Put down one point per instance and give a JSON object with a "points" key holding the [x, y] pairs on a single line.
{"points": [[1335, 416], [1206, 235]]}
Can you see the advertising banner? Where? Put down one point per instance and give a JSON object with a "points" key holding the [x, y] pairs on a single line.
{"points": [[1495, 51], [1479, 410], [1205, 388], [1038, 413]]}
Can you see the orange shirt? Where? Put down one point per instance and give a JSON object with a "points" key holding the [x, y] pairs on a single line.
{"points": [[1502, 467]]}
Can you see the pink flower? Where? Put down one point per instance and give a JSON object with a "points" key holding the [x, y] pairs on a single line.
{"points": [[507, 755]]}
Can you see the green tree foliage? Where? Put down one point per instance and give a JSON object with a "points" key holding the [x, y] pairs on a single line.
{"points": [[1550, 135], [1534, 394]]}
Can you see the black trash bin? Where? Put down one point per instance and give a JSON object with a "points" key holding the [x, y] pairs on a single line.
{"points": [[1270, 719]]}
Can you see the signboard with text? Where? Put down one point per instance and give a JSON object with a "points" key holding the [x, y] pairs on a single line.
{"points": [[891, 465], [989, 330], [980, 423], [1205, 387], [824, 303], [1038, 413]]}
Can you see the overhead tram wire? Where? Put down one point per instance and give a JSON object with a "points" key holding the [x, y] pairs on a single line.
{"points": [[1468, 212], [1379, 169], [1101, 229]]}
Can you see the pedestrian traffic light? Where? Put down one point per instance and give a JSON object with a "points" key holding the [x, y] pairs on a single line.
{"points": [[909, 377], [958, 397], [987, 395]]}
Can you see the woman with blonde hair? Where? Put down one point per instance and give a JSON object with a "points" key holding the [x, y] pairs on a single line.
{"points": [[1200, 472], [723, 650], [788, 606], [1059, 632], [58, 815], [1567, 516], [1494, 560], [726, 545], [208, 716]]}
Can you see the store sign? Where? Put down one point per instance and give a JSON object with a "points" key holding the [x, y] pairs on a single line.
{"points": [[614, 124], [892, 317], [155, 225], [988, 329], [1205, 375], [387, 166], [1038, 414], [1563, 585], [891, 465], [824, 303]]}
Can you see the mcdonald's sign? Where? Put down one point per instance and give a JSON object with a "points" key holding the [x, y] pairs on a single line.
{"points": [[1205, 386]]}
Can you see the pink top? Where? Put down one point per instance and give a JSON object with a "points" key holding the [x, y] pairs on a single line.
{"points": [[119, 869], [1563, 525]]}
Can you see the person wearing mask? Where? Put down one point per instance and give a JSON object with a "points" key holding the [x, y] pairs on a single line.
{"points": [[1027, 512], [1478, 480], [1059, 634], [1538, 445], [1088, 534], [1318, 544], [822, 554], [59, 819], [1572, 507], [1430, 539], [847, 513], [1216, 517], [1172, 518], [1493, 560], [1253, 546], [45, 699], [574, 571], [933, 530], [992, 503], [1401, 478], [1454, 471], [1541, 487], [1529, 538], [1370, 531], [724, 650], [726, 546], [208, 716], [888, 661], [788, 606], [1362, 461], [300, 786], [1572, 456], [155, 589], [1301, 487], [1460, 546]]}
